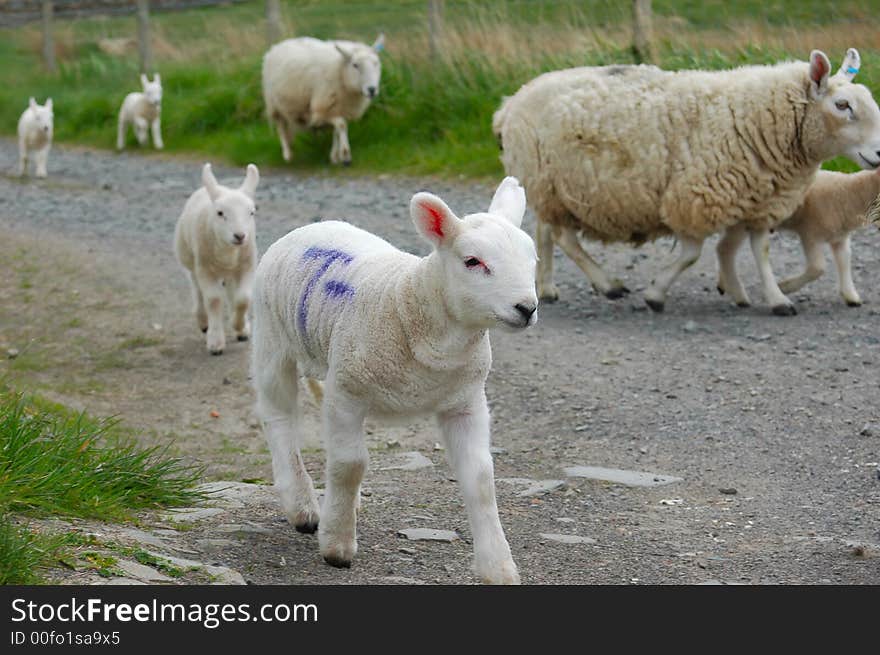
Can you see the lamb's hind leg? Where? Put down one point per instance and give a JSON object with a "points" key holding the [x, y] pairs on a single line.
{"points": [[655, 295], [284, 138], [275, 381], [728, 280], [815, 266], [760, 242], [567, 239], [841, 251]]}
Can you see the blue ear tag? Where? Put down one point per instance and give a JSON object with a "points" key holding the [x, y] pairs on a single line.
{"points": [[381, 47], [852, 71]]}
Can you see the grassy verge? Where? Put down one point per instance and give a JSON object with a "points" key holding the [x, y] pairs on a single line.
{"points": [[54, 462], [433, 114]]}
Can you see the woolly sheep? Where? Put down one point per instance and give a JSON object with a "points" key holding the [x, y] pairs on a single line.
{"points": [[215, 241], [835, 205], [144, 111], [35, 130], [309, 83], [392, 335], [632, 153]]}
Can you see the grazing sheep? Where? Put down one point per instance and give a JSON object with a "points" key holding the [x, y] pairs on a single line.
{"points": [[632, 153], [35, 130], [144, 111], [835, 205], [215, 241], [310, 83], [393, 335]]}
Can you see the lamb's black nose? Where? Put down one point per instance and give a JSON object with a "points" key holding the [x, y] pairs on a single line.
{"points": [[239, 237], [525, 311], [372, 91]]}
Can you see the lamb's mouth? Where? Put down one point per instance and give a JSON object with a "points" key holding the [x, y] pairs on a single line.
{"points": [[872, 164], [516, 324]]}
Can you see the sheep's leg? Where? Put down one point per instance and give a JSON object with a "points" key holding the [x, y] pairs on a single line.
{"points": [[275, 382], [156, 128], [212, 292], [842, 258], [815, 266], [198, 303], [760, 241], [334, 149], [347, 461], [140, 130], [22, 157], [340, 127], [728, 280], [240, 300], [41, 158], [120, 132], [284, 138], [567, 239], [466, 436], [655, 295], [544, 241]]}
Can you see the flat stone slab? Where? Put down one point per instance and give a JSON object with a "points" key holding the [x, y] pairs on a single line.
{"points": [[428, 534], [413, 461], [232, 528], [141, 571], [566, 538], [232, 494], [534, 487], [620, 476], [221, 574], [400, 580], [188, 514], [122, 581]]}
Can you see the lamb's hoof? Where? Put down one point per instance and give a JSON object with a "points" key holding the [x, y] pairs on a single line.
{"points": [[720, 290], [853, 303], [548, 294], [218, 351], [615, 293], [655, 305], [242, 337], [338, 562], [784, 310], [743, 304], [204, 330], [309, 527], [346, 163]]}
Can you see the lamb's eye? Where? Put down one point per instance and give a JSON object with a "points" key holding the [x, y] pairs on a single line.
{"points": [[357, 67], [220, 213], [842, 105]]}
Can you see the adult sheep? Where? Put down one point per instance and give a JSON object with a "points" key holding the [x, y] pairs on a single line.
{"points": [[633, 153], [310, 83]]}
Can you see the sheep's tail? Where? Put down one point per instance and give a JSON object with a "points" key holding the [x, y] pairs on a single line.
{"points": [[317, 389]]}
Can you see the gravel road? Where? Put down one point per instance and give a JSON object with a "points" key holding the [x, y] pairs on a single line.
{"points": [[771, 423]]}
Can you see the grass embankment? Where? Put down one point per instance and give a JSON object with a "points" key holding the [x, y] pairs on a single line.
{"points": [[434, 113], [54, 462]]}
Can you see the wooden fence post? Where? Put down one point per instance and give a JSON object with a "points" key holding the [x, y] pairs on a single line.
{"points": [[435, 27], [48, 41], [642, 31], [273, 21], [144, 45]]}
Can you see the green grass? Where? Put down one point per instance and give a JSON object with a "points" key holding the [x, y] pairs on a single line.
{"points": [[55, 462], [433, 115]]}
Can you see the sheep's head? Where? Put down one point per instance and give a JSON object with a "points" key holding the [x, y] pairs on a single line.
{"points": [[152, 90], [42, 115], [488, 262], [843, 118], [361, 68], [232, 210]]}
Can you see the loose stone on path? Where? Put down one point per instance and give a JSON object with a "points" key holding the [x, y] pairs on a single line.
{"points": [[620, 476]]}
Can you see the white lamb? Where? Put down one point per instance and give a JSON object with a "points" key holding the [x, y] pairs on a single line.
{"points": [[632, 153], [309, 83], [392, 335], [215, 241], [835, 206], [35, 130], [144, 111]]}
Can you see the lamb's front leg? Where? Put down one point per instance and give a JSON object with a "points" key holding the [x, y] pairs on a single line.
{"points": [[760, 242], [156, 128], [140, 130], [212, 294], [347, 461], [42, 159], [466, 435], [22, 157], [728, 280]]}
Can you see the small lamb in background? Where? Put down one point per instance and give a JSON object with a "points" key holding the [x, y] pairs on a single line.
{"points": [[215, 241], [144, 111], [835, 205], [393, 336], [35, 130]]}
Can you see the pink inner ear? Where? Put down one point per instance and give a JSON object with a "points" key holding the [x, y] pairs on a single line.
{"points": [[436, 220], [818, 70]]}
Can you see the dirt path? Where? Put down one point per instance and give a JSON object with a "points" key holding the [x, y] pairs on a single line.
{"points": [[783, 411]]}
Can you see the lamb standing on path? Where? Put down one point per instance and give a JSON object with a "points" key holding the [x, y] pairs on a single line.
{"points": [[393, 335], [632, 153], [835, 206], [35, 131], [144, 111], [215, 241], [309, 83]]}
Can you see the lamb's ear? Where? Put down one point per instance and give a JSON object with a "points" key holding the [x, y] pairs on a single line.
{"points": [[251, 180], [157, 79], [379, 45], [851, 64], [346, 55], [32, 103], [144, 81], [433, 219], [210, 183], [820, 67], [48, 104], [509, 201]]}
